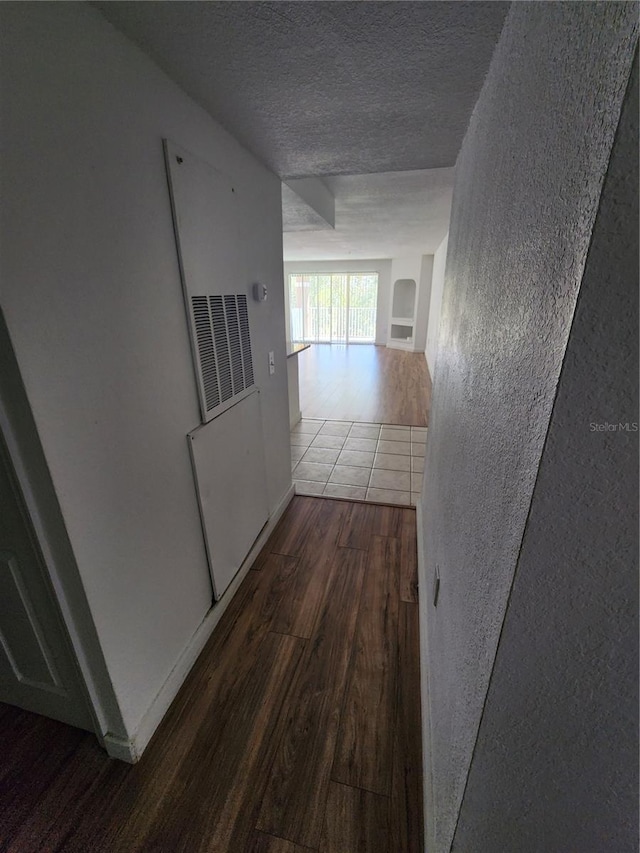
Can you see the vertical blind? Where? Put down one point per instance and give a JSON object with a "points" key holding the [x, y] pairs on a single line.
{"points": [[333, 307]]}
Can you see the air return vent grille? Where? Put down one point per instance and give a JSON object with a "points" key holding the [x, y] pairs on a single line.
{"points": [[223, 341]]}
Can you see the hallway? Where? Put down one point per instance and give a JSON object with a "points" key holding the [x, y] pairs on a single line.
{"points": [[300, 720], [167, 169], [366, 383]]}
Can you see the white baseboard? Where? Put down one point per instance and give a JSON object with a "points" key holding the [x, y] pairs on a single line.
{"points": [[424, 603], [120, 748], [131, 750], [408, 347], [294, 418]]}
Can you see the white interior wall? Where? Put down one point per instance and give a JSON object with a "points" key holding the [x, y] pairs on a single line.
{"points": [[424, 302], [541, 133], [437, 287], [407, 267], [419, 268], [94, 307], [287, 306], [382, 267]]}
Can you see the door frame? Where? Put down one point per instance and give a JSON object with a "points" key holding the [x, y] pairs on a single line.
{"points": [[26, 457]]}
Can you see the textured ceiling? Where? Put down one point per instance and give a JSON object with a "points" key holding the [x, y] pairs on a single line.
{"points": [[297, 215], [379, 216], [326, 88]]}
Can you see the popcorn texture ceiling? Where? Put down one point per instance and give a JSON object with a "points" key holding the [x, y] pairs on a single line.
{"points": [[326, 88]]}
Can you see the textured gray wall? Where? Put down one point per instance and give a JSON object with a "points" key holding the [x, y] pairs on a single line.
{"points": [[528, 183], [558, 737]]}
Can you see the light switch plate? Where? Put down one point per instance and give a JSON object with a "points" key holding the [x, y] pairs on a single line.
{"points": [[272, 364]]}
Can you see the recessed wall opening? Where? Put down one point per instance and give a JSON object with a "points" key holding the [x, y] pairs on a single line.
{"points": [[401, 333], [404, 298]]}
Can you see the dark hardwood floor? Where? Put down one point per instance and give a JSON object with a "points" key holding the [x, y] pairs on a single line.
{"points": [[297, 730], [366, 383]]}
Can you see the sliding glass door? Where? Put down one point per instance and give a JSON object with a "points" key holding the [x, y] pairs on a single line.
{"points": [[336, 308]]}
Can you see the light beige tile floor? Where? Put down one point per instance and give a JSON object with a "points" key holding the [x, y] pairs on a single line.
{"points": [[362, 461]]}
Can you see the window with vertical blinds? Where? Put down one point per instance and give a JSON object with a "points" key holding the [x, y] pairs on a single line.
{"points": [[338, 308]]}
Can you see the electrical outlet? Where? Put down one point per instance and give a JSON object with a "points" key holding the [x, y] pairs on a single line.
{"points": [[272, 364]]}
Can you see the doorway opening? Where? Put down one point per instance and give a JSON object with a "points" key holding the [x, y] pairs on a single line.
{"points": [[358, 410], [333, 308]]}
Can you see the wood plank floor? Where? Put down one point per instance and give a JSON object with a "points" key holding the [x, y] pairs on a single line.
{"points": [[297, 730], [366, 383]]}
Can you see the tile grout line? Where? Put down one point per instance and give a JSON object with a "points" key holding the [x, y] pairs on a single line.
{"points": [[324, 490], [371, 468], [338, 457], [401, 491], [375, 453], [346, 485], [307, 448], [353, 423]]}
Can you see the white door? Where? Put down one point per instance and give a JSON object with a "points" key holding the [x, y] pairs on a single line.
{"points": [[37, 665]]}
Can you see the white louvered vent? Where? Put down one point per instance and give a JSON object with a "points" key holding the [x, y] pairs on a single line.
{"points": [[221, 325]]}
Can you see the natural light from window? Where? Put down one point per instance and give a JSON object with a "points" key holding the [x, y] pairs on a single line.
{"points": [[333, 308]]}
